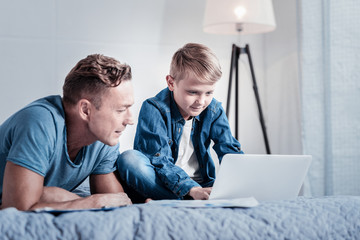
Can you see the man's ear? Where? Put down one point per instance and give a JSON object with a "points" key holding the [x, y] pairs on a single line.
{"points": [[84, 108], [170, 82]]}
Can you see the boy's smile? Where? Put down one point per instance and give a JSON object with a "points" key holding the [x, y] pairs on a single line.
{"points": [[191, 95]]}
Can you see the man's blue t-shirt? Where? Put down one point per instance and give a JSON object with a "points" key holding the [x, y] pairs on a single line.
{"points": [[35, 138]]}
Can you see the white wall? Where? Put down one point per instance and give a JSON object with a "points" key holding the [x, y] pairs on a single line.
{"points": [[41, 40], [282, 88]]}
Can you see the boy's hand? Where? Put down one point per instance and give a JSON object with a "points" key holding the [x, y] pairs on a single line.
{"points": [[199, 193]]}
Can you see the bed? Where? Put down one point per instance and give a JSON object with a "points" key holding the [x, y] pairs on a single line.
{"points": [[334, 217]]}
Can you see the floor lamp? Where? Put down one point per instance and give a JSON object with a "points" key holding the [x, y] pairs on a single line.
{"points": [[240, 17], [235, 55]]}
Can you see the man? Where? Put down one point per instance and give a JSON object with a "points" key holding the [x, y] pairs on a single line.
{"points": [[50, 146]]}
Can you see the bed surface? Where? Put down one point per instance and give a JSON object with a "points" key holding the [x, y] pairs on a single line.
{"points": [[334, 217]]}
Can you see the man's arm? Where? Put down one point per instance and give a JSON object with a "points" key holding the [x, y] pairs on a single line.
{"points": [[24, 190], [108, 184], [105, 183]]}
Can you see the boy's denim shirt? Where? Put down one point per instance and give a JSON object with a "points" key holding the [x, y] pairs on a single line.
{"points": [[159, 132]]}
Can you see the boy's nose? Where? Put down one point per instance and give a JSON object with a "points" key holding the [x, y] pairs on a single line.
{"points": [[201, 99]]}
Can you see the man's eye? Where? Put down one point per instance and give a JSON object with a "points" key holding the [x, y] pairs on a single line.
{"points": [[121, 110], [192, 92], [209, 93]]}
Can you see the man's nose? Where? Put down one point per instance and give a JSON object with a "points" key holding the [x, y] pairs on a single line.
{"points": [[129, 118]]}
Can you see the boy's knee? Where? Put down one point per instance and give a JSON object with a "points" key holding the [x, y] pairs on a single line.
{"points": [[131, 159]]}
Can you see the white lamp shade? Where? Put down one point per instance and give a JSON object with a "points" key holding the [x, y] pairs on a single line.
{"points": [[239, 16]]}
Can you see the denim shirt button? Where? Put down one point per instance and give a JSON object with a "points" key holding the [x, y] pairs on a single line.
{"points": [[157, 154]]}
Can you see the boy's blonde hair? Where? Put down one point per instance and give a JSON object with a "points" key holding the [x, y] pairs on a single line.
{"points": [[195, 59]]}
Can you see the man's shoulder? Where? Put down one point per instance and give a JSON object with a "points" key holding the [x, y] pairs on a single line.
{"points": [[39, 111], [52, 103], [48, 109]]}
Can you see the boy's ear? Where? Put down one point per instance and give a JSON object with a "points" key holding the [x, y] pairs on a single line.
{"points": [[84, 108], [170, 82]]}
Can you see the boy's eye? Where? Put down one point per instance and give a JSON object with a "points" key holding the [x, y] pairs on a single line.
{"points": [[209, 93], [192, 92], [121, 110]]}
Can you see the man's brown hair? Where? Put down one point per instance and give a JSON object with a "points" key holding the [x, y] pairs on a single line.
{"points": [[92, 77]]}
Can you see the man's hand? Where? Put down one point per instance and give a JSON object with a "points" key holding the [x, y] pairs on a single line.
{"points": [[108, 200], [68, 200], [59, 198], [199, 193]]}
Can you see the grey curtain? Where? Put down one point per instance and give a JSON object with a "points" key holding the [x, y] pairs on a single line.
{"points": [[329, 37]]}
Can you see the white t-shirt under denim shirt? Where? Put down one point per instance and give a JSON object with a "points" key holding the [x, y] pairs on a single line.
{"points": [[187, 159]]}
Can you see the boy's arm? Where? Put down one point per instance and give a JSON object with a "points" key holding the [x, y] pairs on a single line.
{"points": [[220, 133], [152, 139], [199, 193], [24, 190]]}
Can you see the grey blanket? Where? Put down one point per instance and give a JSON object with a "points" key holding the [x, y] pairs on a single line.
{"points": [[336, 217]]}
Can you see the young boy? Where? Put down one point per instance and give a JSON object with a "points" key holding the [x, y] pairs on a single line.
{"points": [[175, 129]]}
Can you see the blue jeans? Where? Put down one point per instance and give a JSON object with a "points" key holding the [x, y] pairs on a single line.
{"points": [[139, 178]]}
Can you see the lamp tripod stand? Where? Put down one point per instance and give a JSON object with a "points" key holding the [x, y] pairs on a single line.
{"points": [[235, 54]]}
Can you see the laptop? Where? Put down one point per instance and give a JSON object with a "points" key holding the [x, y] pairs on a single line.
{"points": [[264, 177]]}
